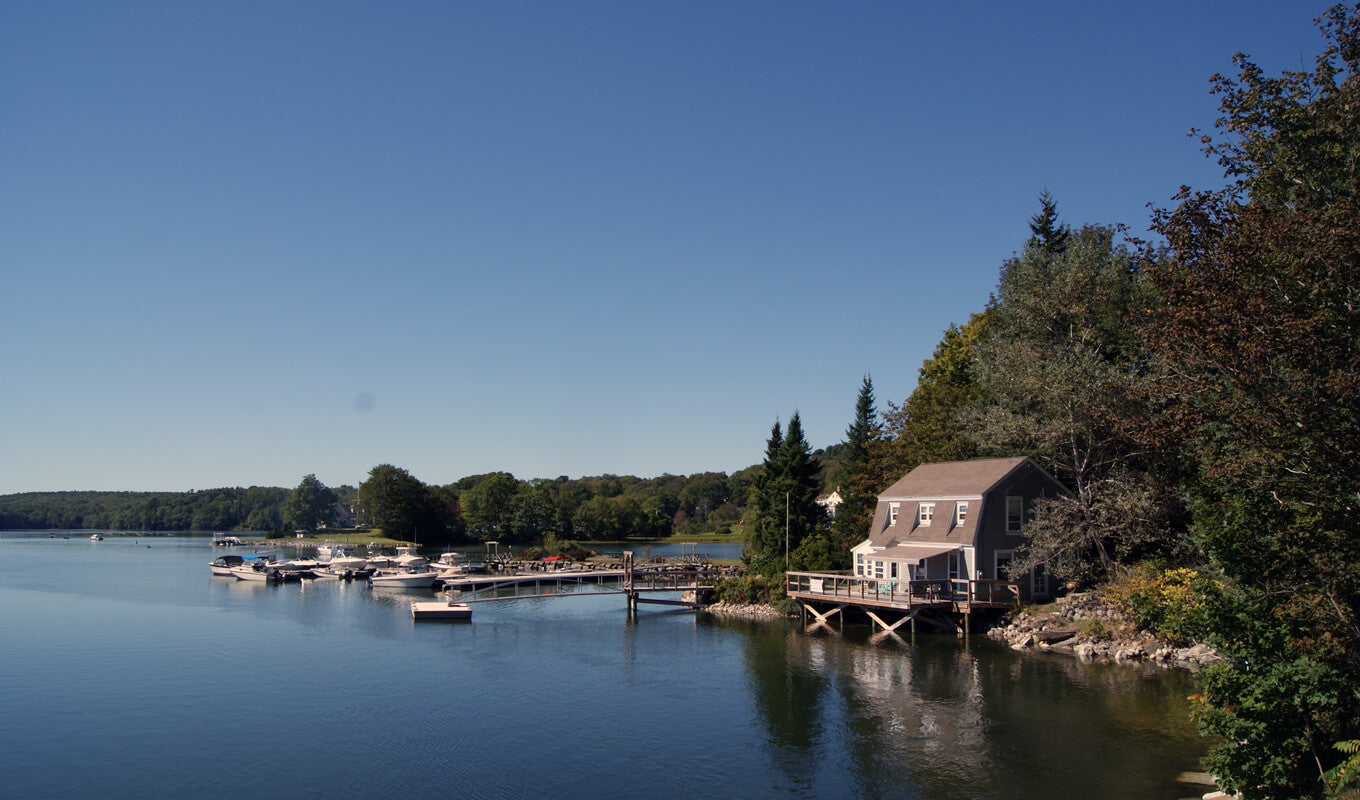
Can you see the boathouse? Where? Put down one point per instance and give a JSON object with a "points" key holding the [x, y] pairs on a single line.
{"points": [[941, 543], [960, 520]]}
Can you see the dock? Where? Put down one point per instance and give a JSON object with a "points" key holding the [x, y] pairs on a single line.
{"points": [[946, 603]]}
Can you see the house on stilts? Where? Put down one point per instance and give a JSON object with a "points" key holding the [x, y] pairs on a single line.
{"points": [[939, 548]]}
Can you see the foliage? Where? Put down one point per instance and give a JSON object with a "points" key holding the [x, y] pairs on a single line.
{"points": [[750, 589], [1170, 602], [783, 509], [1059, 372], [308, 505], [405, 508], [488, 507], [851, 523], [1258, 339], [1343, 780], [257, 508]]}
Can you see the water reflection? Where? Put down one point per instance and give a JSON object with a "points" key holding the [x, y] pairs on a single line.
{"points": [[944, 719]]}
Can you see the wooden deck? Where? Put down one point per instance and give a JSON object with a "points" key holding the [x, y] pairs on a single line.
{"points": [[947, 595]]}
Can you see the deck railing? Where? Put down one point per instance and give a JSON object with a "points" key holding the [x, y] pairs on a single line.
{"points": [[833, 585]]}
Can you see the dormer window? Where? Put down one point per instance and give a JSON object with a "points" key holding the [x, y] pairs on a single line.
{"points": [[925, 514], [960, 514], [892, 513]]}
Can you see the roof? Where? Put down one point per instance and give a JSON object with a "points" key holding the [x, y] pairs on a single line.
{"points": [[952, 479], [916, 551]]}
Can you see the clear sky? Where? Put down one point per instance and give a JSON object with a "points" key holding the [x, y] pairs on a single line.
{"points": [[242, 242]]}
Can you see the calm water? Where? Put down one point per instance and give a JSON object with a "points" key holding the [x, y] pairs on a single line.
{"points": [[130, 672]]}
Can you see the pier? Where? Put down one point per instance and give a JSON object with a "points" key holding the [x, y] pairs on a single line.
{"points": [[693, 579]]}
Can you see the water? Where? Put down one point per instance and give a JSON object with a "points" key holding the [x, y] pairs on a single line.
{"points": [[131, 672]]}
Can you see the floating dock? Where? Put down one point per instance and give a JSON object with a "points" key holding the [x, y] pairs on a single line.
{"points": [[440, 609]]}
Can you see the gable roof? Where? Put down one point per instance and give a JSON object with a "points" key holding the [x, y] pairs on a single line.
{"points": [[952, 479]]}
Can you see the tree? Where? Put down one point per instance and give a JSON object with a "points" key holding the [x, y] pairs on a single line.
{"points": [[783, 507], [1259, 335], [405, 508], [489, 507], [308, 505], [1060, 370], [1047, 235], [851, 523]]}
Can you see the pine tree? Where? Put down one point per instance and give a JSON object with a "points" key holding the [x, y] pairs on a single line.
{"points": [[851, 522], [783, 509], [1048, 235]]}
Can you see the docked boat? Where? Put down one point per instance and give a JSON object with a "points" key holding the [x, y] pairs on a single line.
{"points": [[340, 561], [403, 579], [222, 566], [407, 558], [255, 570], [440, 609]]}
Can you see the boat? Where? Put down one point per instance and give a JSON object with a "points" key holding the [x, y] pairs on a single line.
{"points": [[403, 579], [340, 561], [408, 558], [440, 609], [222, 566], [94, 537], [450, 565], [256, 568]]}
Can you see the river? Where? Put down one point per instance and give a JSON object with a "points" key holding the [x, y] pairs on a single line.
{"points": [[131, 672]]}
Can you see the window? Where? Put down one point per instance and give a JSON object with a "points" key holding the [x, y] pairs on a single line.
{"points": [[859, 564], [892, 513], [926, 514], [892, 569], [1003, 564], [960, 513], [1015, 514]]}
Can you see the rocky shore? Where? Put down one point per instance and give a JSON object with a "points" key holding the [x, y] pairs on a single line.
{"points": [[752, 611], [1085, 626]]}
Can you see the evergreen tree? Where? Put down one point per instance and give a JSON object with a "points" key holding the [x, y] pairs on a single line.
{"points": [[783, 508], [851, 523], [1047, 234]]}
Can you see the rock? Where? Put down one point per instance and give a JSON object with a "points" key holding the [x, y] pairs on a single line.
{"points": [[1055, 635]]}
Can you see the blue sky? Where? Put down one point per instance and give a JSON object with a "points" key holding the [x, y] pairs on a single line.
{"points": [[243, 242]]}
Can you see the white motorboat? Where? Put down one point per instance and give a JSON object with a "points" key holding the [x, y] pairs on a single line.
{"points": [[403, 579], [222, 566], [94, 537], [254, 571], [407, 558]]}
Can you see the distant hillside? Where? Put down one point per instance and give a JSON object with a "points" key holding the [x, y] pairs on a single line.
{"points": [[257, 508]]}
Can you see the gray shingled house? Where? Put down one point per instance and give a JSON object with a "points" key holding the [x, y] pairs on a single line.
{"points": [[961, 520]]}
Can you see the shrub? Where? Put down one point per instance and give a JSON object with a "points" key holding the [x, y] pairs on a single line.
{"points": [[1169, 602]]}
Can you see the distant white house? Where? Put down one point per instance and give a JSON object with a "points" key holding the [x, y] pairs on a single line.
{"points": [[830, 501]]}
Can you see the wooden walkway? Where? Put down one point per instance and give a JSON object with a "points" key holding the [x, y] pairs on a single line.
{"points": [[568, 582], [940, 601]]}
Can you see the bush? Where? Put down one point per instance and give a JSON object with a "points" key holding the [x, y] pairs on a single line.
{"points": [[750, 590], [1169, 602]]}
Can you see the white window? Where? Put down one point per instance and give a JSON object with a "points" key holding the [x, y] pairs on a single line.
{"points": [[892, 513], [859, 564], [960, 513], [926, 514], [1015, 514]]}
